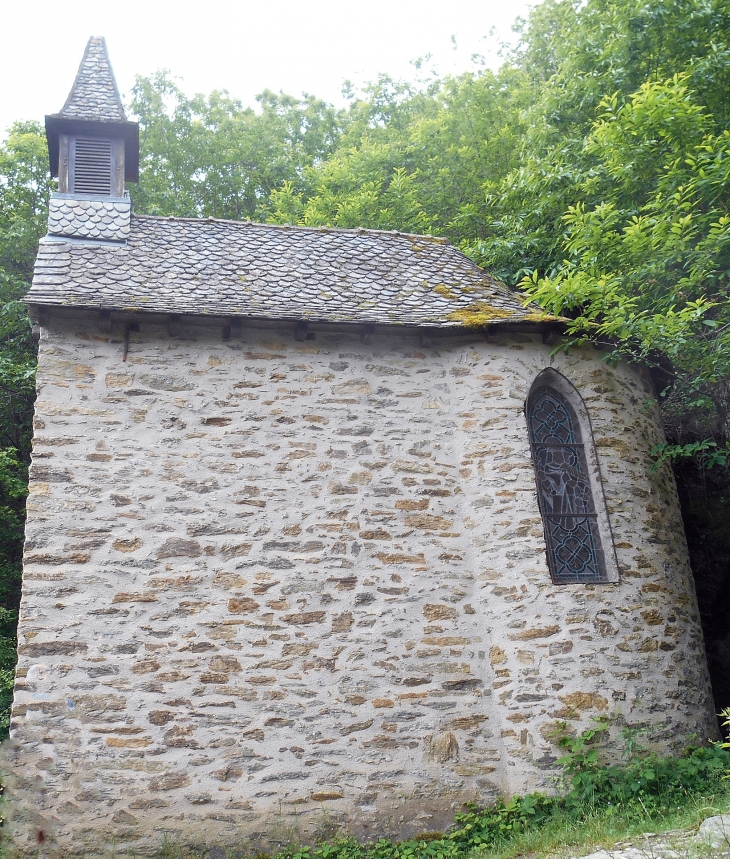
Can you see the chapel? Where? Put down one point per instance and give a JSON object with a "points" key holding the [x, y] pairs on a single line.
{"points": [[323, 531]]}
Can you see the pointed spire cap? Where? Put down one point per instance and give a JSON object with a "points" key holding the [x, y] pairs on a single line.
{"points": [[94, 94]]}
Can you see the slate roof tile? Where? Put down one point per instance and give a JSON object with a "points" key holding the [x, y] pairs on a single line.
{"points": [[94, 94], [101, 219], [229, 268]]}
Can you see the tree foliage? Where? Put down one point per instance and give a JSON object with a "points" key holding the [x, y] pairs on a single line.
{"points": [[617, 213], [647, 268], [211, 157], [24, 190]]}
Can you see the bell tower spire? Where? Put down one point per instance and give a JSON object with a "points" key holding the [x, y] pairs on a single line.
{"points": [[94, 94], [93, 150]]}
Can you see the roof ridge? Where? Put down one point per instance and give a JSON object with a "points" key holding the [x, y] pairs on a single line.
{"points": [[94, 94], [441, 240]]}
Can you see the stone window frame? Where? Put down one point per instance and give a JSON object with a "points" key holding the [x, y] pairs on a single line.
{"points": [[552, 379]]}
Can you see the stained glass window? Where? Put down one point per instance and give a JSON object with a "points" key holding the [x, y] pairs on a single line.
{"points": [[564, 490]]}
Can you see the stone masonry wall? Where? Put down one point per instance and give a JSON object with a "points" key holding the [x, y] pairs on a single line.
{"points": [[273, 587]]}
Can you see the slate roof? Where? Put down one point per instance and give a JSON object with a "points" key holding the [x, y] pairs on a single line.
{"points": [[231, 268], [89, 219], [94, 95]]}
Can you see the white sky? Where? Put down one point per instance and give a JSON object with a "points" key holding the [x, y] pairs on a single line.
{"points": [[244, 46]]}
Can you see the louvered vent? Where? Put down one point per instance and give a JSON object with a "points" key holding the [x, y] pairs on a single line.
{"points": [[92, 166]]}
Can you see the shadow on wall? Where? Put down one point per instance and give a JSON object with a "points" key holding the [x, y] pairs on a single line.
{"points": [[705, 501]]}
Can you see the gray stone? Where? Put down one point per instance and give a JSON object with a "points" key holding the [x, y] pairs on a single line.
{"points": [[715, 831]]}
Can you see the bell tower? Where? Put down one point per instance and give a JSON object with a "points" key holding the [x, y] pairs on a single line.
{"points": [[94, 150]]}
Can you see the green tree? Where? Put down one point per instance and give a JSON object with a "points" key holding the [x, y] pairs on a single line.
{"points": [[647, 269], [211, 157], [414, 160], [574, 55], [25, 186]]}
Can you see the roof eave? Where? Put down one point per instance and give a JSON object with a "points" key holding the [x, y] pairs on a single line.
{"points": [[445, 324]]}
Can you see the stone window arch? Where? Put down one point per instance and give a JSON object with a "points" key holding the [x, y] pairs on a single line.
{"points": [[569, 488]]}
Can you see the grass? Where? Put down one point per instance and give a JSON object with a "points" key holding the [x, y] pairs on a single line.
{"points": [[567, 835]]}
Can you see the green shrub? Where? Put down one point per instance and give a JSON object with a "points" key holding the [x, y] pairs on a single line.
{"points": [[643, 779]]}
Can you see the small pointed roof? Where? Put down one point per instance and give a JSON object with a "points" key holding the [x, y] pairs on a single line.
{"points": [[94, 94], [94, 107]]}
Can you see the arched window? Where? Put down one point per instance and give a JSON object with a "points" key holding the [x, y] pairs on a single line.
{"points": [[569, 489]]}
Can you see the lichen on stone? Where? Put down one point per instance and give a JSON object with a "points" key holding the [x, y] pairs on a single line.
{"points": [[477, 314], [542, 316]]}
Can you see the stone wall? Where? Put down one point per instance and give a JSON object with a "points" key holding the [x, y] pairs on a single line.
{"points": [[273, 586]]}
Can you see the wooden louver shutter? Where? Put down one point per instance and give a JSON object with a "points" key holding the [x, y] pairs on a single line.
{"points": [[92, 166]]}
